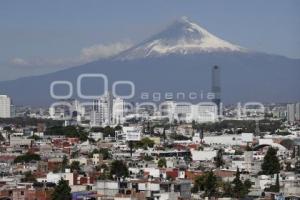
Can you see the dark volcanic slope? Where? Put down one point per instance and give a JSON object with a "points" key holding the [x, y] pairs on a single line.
{"points": [[244, 77]]}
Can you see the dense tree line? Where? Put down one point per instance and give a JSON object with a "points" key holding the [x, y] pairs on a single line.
{"points": [[212, 186], [103, 151], [107, 131], [179, 137], [28, 177], [27, 158], [27, 121], [240, 126], [68, 131], [144, 143]]}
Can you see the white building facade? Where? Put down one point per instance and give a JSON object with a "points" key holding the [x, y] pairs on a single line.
{"points": [[5, 105], [184, 111], [291, 113], [118, 111], [101, 114]]}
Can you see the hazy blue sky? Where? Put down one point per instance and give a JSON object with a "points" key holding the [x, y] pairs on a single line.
{"points": [[42, 36]]}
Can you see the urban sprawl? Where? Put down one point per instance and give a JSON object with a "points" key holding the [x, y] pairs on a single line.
{"points": [[109, 150]]}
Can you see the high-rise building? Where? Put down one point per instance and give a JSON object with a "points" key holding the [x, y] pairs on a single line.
{"points": [[118, 111], [78, 110], [205, 113], [5, 105], [297, 112], [216, 86], [70, 109], [291, 113], [95, 118], [183, 112], [12, 110], [167, 109], [101, 114]]}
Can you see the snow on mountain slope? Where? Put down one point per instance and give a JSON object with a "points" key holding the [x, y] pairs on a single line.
{"points": [[181, 37]]}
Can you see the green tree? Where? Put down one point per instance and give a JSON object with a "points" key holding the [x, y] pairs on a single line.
{"points": [[62, 191], [162, 163], [118, 128], [7, 128], [194, 124], [274, 188], [208, 183], [271, 163], [27, 158], [179, 137], [35, 137], [211, 184], [68, 131], [219, 162], [105, 153], [145, 143], [29, 177], [277, 185], [247, 185], [148, 157], [240, 189], [108, 131], [237, 185], [227, 189], [164, 135], [119, 169], [64, 163], [75, 165]]}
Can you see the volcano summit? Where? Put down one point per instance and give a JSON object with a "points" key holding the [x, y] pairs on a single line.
{"points": [[177, 59]]}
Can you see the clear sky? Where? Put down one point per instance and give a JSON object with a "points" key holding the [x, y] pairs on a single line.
{"points": [[39, 36]]}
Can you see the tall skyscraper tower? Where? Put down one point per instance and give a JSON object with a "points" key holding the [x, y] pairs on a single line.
{"points": [[291, 113], [216, 86], [102, 110], [297, 113], [5, 105]]}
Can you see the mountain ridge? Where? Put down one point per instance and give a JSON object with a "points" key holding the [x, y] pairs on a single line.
{"points": [[245, 75], [180, 37]]}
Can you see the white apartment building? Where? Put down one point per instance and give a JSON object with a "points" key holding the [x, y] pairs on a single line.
{"points": [[297, 112], [107, 111], [238, 139], [5, 104], [132, 133], [167, 109], [291, 113], [207, 112], [118, 111], [55, 177], [102, 111], [183, 111]]}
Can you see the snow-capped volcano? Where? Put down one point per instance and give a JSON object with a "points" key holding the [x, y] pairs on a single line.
{"points": [[177, 60], [181, 37]]}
